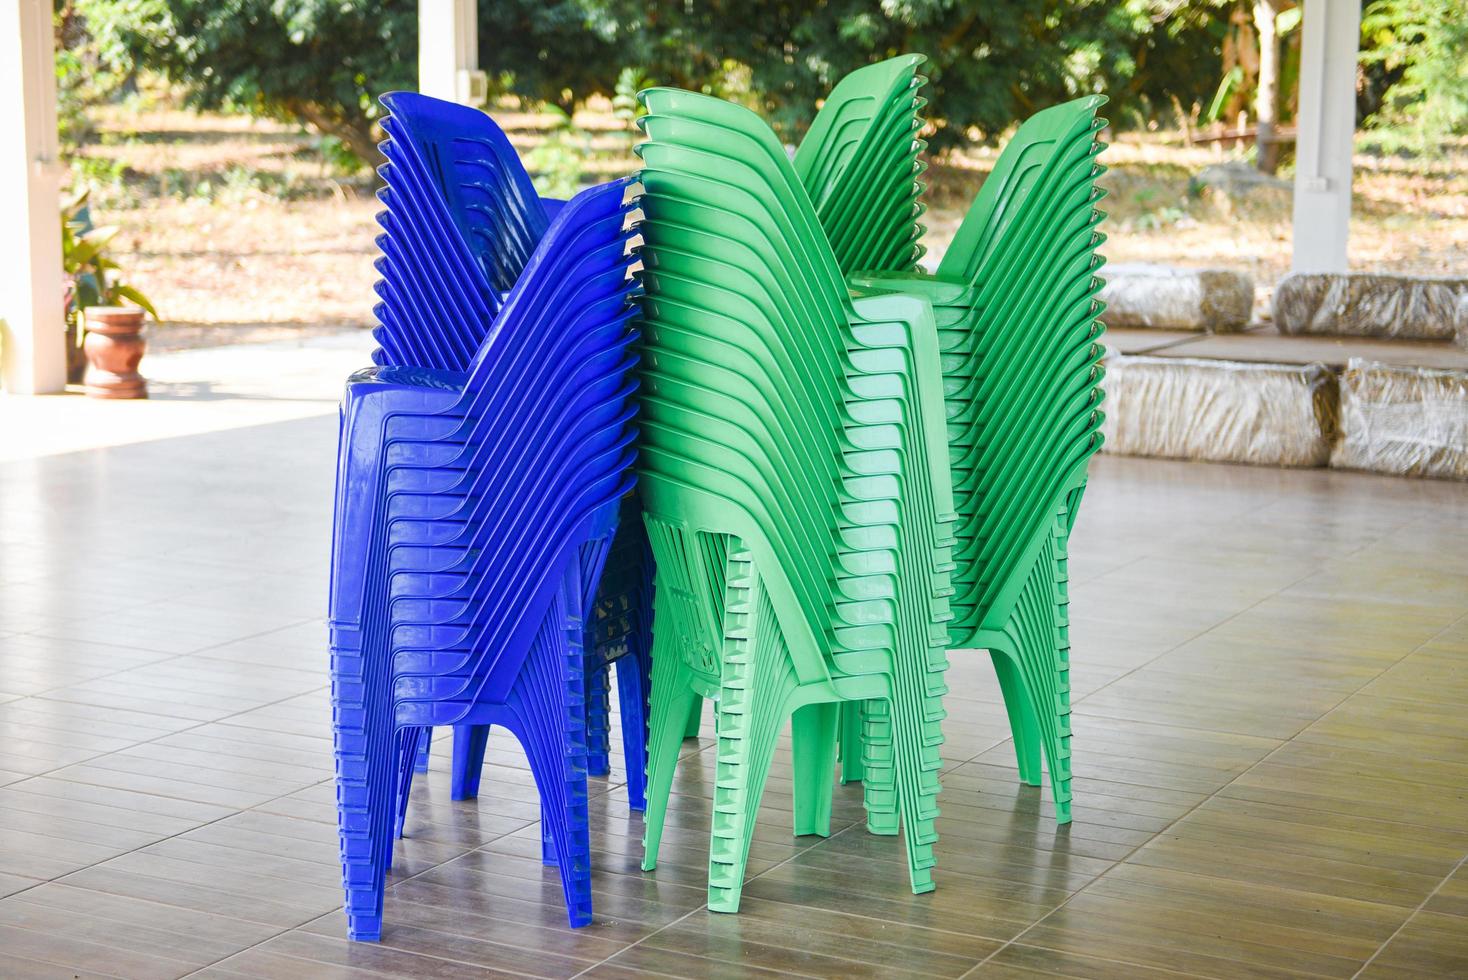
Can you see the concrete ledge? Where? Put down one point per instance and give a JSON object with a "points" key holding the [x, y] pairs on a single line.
{"points": [[1221, 411], [1166, 298], [1368, 305], [1403, 420]]}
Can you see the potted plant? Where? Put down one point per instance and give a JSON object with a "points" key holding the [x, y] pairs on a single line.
{"points": [[104, 334]]}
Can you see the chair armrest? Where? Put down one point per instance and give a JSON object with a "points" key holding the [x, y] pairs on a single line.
{"points": [[916, 313], [938, 292], [373, 397]]}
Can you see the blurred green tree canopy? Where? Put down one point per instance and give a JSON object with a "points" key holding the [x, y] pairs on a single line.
{"points": [[991, 62], [1421, 47]]}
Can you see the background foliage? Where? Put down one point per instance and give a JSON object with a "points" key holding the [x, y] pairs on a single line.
{"points": [[323, 62]]}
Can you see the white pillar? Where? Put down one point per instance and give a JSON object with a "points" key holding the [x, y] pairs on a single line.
{"points": [[1326, 123], [448, 51], [32, 317]]}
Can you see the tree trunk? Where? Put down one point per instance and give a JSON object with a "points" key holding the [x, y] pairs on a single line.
{"points": [[1246, 57], [1267, 101], [355, 132]]}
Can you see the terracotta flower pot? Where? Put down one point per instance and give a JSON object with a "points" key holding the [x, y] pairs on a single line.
{"points": [[114, 345]]}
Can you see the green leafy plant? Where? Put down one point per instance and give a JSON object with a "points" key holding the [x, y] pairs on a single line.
{"points": [[83, 77], [91, 273], [1422, 45], [338, 156], [98, 172], [625, 106], [557, 164]]}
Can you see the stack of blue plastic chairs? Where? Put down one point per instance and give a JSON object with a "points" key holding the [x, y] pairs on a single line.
{"points": [[481, 470], [430, 317]]}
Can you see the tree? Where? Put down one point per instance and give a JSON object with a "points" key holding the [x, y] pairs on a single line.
{"points": [[991, 61], [1422, 45], [1266, 23], [549, 51], [325, 62], [322, 62]]}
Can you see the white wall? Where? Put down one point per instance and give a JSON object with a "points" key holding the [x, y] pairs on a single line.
{"points": [[32, 326]]}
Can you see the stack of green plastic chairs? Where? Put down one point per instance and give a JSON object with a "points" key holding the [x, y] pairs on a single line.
{"points": [[1015, 302], [813, 558], [859, 163], [794, 472]]}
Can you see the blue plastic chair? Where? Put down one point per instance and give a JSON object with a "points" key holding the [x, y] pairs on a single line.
{"points": [[474, 512], [461, 217]]}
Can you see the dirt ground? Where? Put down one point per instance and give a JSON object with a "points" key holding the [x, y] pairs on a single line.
{"points": [[238, 229]]}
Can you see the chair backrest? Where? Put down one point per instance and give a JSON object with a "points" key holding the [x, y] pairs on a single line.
{"points": [[736, 260], [460, 221], [775, 410], [489, 195], [1001, 201], [858, 163], [1027, 247], [547, 428]]}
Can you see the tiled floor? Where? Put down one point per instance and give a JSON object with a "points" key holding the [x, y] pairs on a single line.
{"points": [[1271, 677]]}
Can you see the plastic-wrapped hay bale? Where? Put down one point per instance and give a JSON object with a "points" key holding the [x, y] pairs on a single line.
{"points": [[1405, 420], [1368, 305], [1220, 411], [1160, 296]]}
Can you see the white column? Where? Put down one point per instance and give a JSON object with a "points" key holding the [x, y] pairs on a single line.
{"points": [[1326, 123], [32, 317], [448, 51]]}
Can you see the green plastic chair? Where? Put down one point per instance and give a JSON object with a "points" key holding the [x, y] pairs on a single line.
{"points": [[1014, 299], [859, 164], [851, 769], [794, 473]]}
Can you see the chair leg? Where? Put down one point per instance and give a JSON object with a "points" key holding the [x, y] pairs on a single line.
{"points": [[470, 742], [1022, 724], [409, 742], [425, 746], [547, 842], [547, 700], [364, 743], [1040, 657], [813, 731], [851, 749], [756, 683], [632, 685], [667, 721], [598, 721], [879, 779], [917, 737], [695, 718]]}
